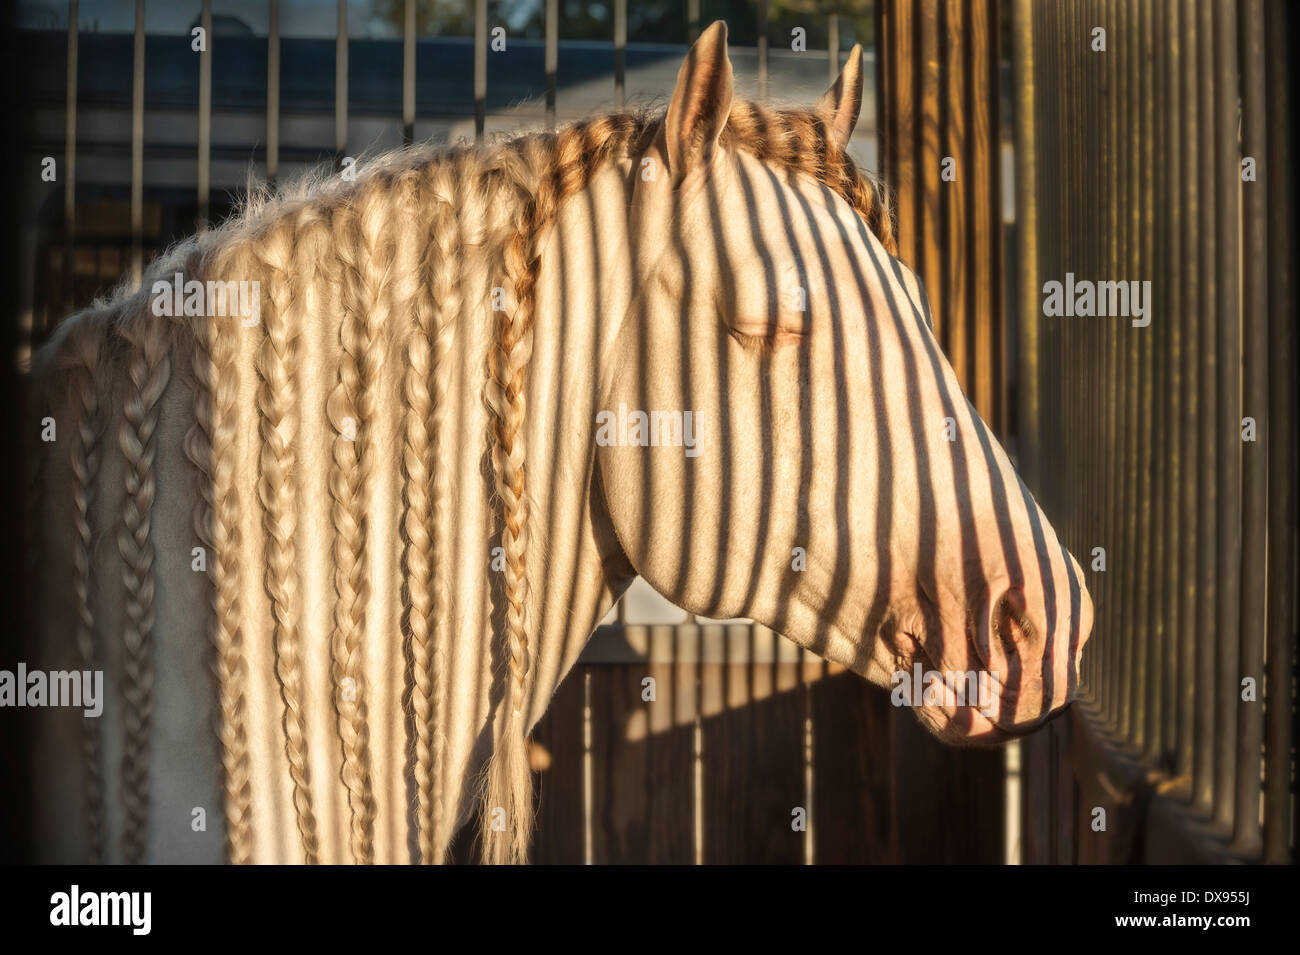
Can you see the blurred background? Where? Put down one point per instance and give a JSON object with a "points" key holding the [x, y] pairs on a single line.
{"points": [[1021, 145]]}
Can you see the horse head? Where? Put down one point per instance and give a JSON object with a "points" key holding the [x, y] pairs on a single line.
{"points": [[833, 483]]}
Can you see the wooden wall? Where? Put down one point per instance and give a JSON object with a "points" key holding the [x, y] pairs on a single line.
{"points": [[742, 731]]}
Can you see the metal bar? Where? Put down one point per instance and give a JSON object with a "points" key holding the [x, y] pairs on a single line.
{"points": [[1122, 41], [1280, 648], [552, 57], [137, 147], [70, 168], [1189, 498], [1174, 580], [1227, 182], [408, 73], [950, 198], [1160, 573], [341, 85], [273, 93], [1207, 519], [70, 130], [480, 68], [833, 47], [1144, 118], [1254, 465], [762, 50], [692, 19], [620, 51], [205, 117]]}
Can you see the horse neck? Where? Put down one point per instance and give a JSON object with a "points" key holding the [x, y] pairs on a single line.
{"points": [[575, 568]]}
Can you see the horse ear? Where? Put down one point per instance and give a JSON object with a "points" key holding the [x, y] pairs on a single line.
{"points": [[840, 104], [701, 102]]}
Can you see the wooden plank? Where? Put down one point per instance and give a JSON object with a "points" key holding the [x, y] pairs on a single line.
{"points": [[558, 839], [851, 804], [928, 779], [753, 765]]}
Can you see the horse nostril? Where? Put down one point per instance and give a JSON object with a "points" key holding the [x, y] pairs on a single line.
{"points": [[1009, 624]]}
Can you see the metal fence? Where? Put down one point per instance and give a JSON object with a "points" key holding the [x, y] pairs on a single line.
{"points": [[1153, 145]]}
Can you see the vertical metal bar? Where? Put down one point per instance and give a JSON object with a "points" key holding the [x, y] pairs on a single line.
{"points": [[70, 167], [1161, 331], [408, 73], [205, 116], [762, 50], [1189, 499], [882, 23], [1140, 269], [341, 85], [1115, 631], [1255, 384], [1174, 580], [273, 93], [1203, 773], [620, 51], [480, 68], [1227, 182], [1122, 42], [1280, 649], [950, 198], [70, 129], [552, 57], [833, 46], [137, 147], [983, 308]]}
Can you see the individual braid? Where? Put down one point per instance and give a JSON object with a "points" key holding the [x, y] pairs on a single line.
{"points": [[85, 382], [209, 445], [148, 370], [278, 414], [418, 466], [365, 268], [442, 270]]}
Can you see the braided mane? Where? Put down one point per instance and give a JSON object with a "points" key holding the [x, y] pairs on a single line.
{"points": [[324, 246]]}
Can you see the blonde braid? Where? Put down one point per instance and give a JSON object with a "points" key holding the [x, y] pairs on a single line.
{"points": [[277, 403], [442, 268], [417, 522], [567, 159], [209, 446], [358, 223], [84, 356], [149, 369]]}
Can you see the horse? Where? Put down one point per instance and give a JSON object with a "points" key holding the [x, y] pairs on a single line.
{"points": [[343, 486]]}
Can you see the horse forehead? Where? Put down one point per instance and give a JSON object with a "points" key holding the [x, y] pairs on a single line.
{"points": [[787, 206]]}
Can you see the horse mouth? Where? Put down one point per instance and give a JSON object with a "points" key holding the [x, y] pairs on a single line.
{"points": [[957, 721]]}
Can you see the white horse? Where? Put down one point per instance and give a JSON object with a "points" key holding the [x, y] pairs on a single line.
{"points": [[363, 519]]}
